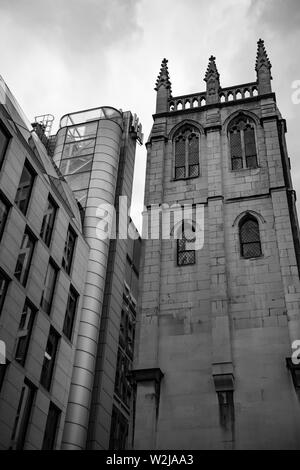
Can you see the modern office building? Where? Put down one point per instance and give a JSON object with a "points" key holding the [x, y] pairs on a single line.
{"points": [[216, 325], [43, 259], [68, 294], [95, 151]]}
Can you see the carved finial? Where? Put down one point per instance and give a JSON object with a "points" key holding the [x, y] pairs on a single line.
{"points": [[262, 59], [263, 69], [163, 78], [212, 79], [212, 71]]}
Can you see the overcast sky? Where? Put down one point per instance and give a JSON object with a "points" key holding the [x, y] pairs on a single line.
{"points": [[59, 56]]}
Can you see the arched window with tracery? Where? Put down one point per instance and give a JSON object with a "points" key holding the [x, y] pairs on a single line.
{"points": [[186, 245], [242, 143], [186, 148], [249, 237]]}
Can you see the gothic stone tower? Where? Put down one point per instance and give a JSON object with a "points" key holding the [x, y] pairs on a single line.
{"points": [[213, 368]]}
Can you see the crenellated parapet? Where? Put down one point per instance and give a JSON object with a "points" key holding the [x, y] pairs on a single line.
{"points": [[215, 94]]}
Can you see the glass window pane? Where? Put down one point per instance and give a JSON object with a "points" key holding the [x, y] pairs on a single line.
{"points": [[237, 163], [70, 313], [81, 197], [51, 427], [78, 149], [24, 258], [48, 222], [24, 189], [49, 285], [250, 239], [4, 139], [194, 170], [76, 165], [80, 132], [4, 208], [23, 416], [3, 288], [49, 358], [78, 181], [24, 333], [69, 250], [251, 161], [193, 149], [249, 138], [180, 153], [180, 172], [250, 231], [251, 250], [236, 150]]}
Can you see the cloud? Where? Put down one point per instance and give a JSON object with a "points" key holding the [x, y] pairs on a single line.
{"points": [[281, 16], [77, 26]]}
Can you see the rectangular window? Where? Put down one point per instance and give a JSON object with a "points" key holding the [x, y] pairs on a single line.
{"points": [[25, 257], [49, 286], [51, 427], [24, 333], [226, 409], [127, 330], [123, 387], [48, 221], [3, 370], [180, 152], [4, 281], [70, 313], [185, 253], [23, 416], [118, 430], [4, 210], [4, 140], [25, 188], [236, 150], [69, 250], [49, 358]]}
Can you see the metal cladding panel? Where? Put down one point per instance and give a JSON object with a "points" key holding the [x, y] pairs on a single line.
{"points": [[102, 190]]}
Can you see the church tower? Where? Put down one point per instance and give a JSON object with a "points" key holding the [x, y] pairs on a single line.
{"points": [[217, 319]]}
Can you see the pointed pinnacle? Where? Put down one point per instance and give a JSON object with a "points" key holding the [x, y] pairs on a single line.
{"points": [[163, 76], [212, 70], [262, 56]]}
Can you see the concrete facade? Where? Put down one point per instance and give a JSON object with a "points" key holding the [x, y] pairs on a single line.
{"points": [[224, 326]]}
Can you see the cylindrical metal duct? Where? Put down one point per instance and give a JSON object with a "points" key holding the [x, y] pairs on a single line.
{"points": [[102, 189]]}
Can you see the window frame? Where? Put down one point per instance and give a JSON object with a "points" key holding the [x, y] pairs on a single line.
{"points": [[24, 411], [185, 132], [118, 440], [184, 239], [69, 333], [8, 205], [242, 222], [56, 270], [31, 322], [48, 237], [48, 435], [235, 121], [47, 374], [31, 236], [68, 267], [5, 148], [33, 175], [7, 280]]}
